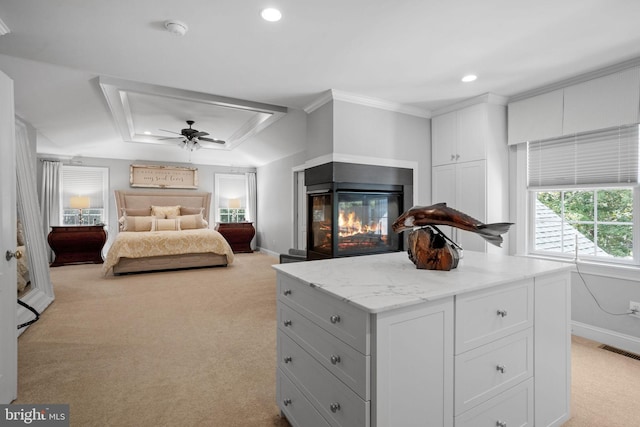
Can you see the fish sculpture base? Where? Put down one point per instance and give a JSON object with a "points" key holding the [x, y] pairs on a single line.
{"points": [[429, 250]]}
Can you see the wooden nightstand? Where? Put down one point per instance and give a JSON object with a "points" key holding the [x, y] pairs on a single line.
{"points": [[77, 244], [238, 234]]}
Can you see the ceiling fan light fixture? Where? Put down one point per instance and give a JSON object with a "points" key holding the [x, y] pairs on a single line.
{"points": [[178, 28]]}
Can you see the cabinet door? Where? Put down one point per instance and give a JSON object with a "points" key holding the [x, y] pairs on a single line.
{"points": [[414, 366], [443, 190], [471, 196], [444, 130], [472, 127]]}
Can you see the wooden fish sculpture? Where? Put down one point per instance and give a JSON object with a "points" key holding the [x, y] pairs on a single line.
{"points": [[429, 250], [440, 214]]}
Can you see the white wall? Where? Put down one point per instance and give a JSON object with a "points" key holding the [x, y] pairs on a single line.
{"points": [[275, 204], [385, 137], [346, 132]]}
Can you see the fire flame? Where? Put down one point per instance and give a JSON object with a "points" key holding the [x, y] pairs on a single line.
{"points": [[350, 224]]}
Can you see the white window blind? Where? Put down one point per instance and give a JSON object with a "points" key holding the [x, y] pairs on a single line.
{"points": [[608, 156], [84, 181]]}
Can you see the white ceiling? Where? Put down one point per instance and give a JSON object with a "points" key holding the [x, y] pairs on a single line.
{"points": [[410, 52]]}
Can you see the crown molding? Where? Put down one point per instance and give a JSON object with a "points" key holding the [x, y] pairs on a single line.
{"points": [[3, 28], [487, 98], [580, 78], [325, 97], [338, 95]]}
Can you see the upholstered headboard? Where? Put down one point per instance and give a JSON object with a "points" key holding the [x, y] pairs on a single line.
{"points": [[140, 199]]}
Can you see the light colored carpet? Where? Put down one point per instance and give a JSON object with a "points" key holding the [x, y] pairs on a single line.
{"points": [[198, 348], [605, 390], [183, 348]]}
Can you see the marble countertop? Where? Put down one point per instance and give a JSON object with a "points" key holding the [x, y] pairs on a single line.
{"points": [[378, 283]]}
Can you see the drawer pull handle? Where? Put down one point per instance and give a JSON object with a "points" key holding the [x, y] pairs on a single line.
{"points": [[502, 313], [287, 292], [335, 318], [335, 407], [335, 359], [287, 359], [501, 368], [286, 402], [287, 323], [501, 423]]}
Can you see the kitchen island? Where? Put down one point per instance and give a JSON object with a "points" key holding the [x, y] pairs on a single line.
{"points": [[373, 341]]}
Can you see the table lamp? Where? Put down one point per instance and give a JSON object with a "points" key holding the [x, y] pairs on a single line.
{"points": [[79, 202]]}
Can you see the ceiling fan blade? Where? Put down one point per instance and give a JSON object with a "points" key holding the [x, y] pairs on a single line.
{"points": [[170, 131], [198, 134], [217, 141], [171, 137]]}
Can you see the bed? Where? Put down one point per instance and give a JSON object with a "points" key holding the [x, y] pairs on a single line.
{"points": [[164, 230]]}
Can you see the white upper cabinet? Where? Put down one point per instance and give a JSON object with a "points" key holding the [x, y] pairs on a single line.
{"points": [[460, 136], [536, 118], [601, 103]]}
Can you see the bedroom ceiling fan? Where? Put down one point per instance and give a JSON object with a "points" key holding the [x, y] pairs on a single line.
{"points": [[192, 139]]}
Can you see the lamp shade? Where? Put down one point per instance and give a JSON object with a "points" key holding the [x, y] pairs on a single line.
{"points": [[235, 204], [79, 202]]}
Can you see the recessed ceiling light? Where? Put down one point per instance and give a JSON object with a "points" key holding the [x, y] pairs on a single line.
{"points": [[270, 14], [469, 78], [146, 132], [178, 28]]}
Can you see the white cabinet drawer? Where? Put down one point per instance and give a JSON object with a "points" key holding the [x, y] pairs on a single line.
{"points": [[351, 366], [485, 372], [513, 408], [298, 410], [487, 315], [334, 400], [340, 319]]}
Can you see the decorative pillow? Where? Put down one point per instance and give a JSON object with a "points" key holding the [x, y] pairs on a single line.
{"points": [[165, 211], [166, 225], [185, 210], [190, 222], [136, 211], [137, 223]]}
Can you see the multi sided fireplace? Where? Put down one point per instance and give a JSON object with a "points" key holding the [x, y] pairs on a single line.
{"points": [[351, 208]]}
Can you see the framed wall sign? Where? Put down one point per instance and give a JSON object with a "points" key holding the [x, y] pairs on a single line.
{"points": [[163, 176]]}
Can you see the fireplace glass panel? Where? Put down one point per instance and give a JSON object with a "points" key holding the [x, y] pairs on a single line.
{"points": [[364, 222], [321, 214], [359, 224]]}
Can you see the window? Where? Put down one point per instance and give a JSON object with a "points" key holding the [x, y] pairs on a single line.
{"points": [[84, 195], [587, 223], [583, 192], [231, 198]]}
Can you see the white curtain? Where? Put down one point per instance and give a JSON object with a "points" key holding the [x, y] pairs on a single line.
{"points": [[252, 200], [50, 197]]}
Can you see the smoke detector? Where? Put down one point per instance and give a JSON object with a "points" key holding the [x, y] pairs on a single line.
{"points": [[178, 28]]}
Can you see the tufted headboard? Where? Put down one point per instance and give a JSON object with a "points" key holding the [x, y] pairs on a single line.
{"points": [[140, 199]]}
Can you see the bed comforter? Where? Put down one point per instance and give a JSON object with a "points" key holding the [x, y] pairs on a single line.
{"points": [[129, 244]]}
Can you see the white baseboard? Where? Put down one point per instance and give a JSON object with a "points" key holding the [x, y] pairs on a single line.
{"points": [[268, 252], [606, 336]]}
